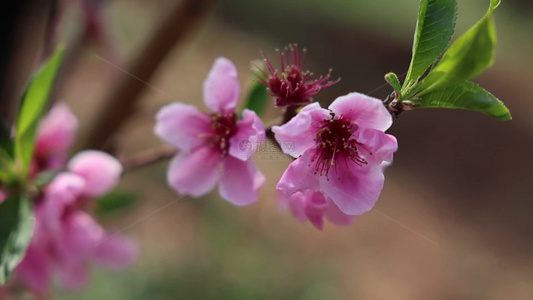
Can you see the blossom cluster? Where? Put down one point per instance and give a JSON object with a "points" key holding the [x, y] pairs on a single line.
{"points": [[339, 152], [66, 237], [336, 172]]}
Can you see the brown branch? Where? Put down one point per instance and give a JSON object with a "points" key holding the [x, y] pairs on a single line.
{"points": [[120, 103], [148, 157]]}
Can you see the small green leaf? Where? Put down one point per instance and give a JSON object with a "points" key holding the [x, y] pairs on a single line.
{"points": [[467, 95], [113, 202], [466, 58], [32, 106], [434, 30], [16, 230], [6, 153], [258, 98], [393, 80]]}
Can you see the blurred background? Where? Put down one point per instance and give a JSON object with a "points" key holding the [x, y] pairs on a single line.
{"points": [[455, 217]]}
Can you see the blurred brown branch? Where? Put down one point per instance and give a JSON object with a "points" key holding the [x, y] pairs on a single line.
{"points": [[95, 30], [121, 101], [148, 157]]}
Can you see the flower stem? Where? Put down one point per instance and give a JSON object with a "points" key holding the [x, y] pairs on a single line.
{"points": [[289, 113]]}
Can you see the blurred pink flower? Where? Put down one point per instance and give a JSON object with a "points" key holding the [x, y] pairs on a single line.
{"points": [[66, 238], [312, 206], [339, 151], [55, 137], [214, 147]]}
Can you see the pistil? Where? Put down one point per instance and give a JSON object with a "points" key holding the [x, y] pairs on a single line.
{"points": [[335, 144], [223, 126]]}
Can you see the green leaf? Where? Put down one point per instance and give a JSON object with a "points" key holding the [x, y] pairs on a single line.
{"points": [[6, 167], [466, 58], [434, 30], [467, 95], [32, 106], [393, 80], [16, 230], [113, 202], [6, 153], [258, 99]]}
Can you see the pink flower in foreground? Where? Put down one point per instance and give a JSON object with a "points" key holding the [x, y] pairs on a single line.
{"points": [[293, 87], [66, 238], [214, 147], [312, 206], [339, 151], [55, 137]]}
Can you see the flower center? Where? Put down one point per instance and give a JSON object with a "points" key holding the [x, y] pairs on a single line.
{"points": [[223, 126], [335, 145]]}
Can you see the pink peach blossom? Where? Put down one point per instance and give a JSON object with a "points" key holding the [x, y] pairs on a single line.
{"points": [[339, 151], [100, 171], [67, 238], [55, 137], [313, 206], [214, 147]]}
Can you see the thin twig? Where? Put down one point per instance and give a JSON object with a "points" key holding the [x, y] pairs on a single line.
{"points": [[148, 157], [155, 155]]}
